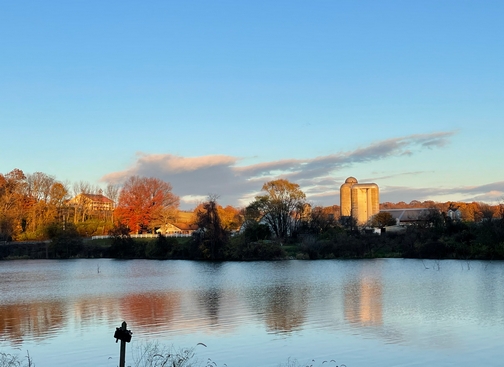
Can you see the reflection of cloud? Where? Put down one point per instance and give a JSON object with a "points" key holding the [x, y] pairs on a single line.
{"points": [[222, 175]]}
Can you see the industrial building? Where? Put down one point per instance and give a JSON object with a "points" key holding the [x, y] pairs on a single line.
{"points": [[359, 200]]}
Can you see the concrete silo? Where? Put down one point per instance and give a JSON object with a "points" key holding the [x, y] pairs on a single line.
{"points": [[360, 201]]}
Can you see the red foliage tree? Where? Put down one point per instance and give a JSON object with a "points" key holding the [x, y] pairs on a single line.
{"points": [[142, 200]]}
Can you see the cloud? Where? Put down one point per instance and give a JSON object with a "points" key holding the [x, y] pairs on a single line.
{"points": [[490, 193], [191, 177], [172, 163], [197, 177]]}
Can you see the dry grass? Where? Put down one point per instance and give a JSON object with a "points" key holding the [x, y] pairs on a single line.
{"points": [[12, 360]]}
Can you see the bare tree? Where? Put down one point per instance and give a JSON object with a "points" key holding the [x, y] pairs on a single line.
{"points": [[112, 192], [80, 202]]}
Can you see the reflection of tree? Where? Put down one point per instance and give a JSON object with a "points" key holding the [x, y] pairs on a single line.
{"points": [[211, 301], [43, 319], [284, 307], [363, 302], [150, 309], [86, 310], [35, 320]]}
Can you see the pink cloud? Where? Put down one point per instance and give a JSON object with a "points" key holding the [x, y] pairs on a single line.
{"points": [[220, 174]]}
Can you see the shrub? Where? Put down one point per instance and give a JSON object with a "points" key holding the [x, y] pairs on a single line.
{"points": [[123, 246], [161, 248], [65, 242]]}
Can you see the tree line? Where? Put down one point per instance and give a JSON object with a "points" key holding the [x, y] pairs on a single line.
{"points": [[31, 203], [32, 206], [279, 222]]}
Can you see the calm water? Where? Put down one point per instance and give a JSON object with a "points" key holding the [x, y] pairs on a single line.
{"points": [[389, 312]]}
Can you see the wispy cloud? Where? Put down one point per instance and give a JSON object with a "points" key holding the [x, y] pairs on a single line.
{"points": [[196, 177]]}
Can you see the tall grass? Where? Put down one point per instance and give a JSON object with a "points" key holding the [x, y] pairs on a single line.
{"points": [[155, 354], [12, 360]]}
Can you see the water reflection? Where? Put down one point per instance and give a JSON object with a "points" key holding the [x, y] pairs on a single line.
{"points": [[391, 302], [151, 311], [210, 301], [363, 302], [285, 308], [34, 320]]}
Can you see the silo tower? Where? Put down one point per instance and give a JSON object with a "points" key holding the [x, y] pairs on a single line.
{"points": [[360, 201]]}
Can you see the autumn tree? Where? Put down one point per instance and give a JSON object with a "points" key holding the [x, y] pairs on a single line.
{"points": [[13, 203], [41, 210], [281, 207], [29, 203], [230, 217], [142, 201], [211, 236]]}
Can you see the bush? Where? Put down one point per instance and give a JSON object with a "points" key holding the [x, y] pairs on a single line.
{"points": [[241, 249], [89, 227], [256, 231], [161, 248], [123, 246], [65, 242]]}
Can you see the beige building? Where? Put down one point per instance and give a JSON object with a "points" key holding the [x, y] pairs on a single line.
{"points": [[93, 202], [360, 201], [177, 229]]}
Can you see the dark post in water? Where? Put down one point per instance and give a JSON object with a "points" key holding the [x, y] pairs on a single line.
{"points": [[124, 336]]}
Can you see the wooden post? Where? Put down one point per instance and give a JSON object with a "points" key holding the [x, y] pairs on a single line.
{"points": [[124, 336], [122, 356]]}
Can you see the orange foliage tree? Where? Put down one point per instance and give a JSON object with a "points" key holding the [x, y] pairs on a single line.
{"points": [[142, 200], [230, 217], [13, 202]]}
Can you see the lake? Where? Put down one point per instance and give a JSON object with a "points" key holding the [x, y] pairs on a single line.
{"points": [[381, 312]]}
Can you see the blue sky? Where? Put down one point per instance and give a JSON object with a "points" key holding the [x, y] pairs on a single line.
{"points": [[218, 97]]}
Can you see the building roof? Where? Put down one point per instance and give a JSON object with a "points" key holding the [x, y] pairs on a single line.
{"points": [[185, 226], [351, 180], [409, 214], [177, 226], [98, 197]]}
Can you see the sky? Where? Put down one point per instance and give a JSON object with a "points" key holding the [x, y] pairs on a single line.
{"points": [[219, 97]]}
